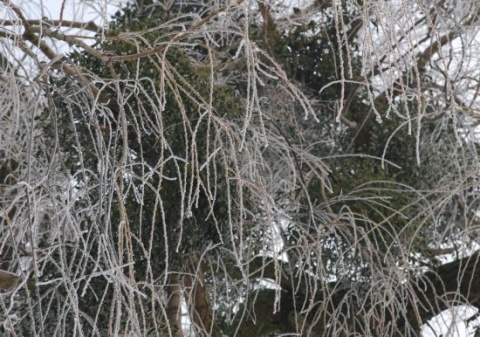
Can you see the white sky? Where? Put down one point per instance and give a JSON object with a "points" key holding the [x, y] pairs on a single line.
{"points": [[81, 10]]}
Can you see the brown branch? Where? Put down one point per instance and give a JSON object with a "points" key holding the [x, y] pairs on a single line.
{"points": [[70, 69], [90, 26], [197, 299], [71, 40], [31, 36]]}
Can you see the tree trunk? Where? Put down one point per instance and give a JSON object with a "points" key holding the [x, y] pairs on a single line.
{"points": [[197, 299], [174, 308]]}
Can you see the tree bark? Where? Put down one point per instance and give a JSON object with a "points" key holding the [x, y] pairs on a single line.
{"points": [[174, 308], [197, 299]]}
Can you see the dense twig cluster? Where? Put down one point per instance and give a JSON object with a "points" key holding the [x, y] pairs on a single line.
{"points": [[189, 175]]}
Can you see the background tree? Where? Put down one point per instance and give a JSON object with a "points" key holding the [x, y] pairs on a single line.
{"points": [[271, 169]]}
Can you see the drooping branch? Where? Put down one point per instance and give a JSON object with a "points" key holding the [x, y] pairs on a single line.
{"points": [[454, 283], [399, 85], [447, 285]]}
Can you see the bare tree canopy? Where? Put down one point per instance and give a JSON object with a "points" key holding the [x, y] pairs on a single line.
{"points": [[238, 168]]}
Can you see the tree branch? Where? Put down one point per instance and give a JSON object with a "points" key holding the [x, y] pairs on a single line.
{"points": [[90, 26]]}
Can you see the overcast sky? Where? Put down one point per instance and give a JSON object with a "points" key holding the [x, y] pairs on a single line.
{"points": [[81, 10]]}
